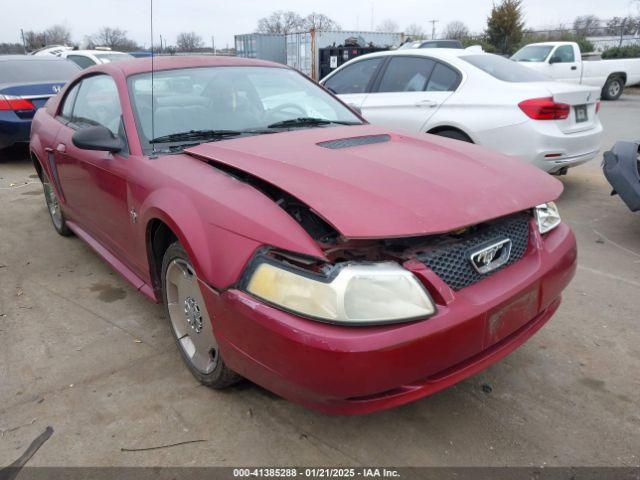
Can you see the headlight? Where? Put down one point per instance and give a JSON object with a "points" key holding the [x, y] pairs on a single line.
{"points": [[547, 217], [356, 294]]}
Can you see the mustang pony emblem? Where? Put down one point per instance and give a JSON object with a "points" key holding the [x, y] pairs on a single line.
{"points": [[491, 256]]}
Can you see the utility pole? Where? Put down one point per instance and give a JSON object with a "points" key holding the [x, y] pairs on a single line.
{"points": [[24, 44], [433, 28], [213, 45]]}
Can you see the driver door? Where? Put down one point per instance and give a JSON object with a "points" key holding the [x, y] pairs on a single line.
{"points": [[564, 66], [95, 182]]}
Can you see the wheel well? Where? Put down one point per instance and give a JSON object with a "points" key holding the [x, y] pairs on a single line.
{"points": [[444, 128], [159, 237], [36, 165], [622, 75]]}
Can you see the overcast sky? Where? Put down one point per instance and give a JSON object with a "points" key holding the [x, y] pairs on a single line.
{"points": [[223, 19]]}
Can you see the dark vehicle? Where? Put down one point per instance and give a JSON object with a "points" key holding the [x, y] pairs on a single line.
{"points": [[432, 44], [621, 167], [26, 83]]}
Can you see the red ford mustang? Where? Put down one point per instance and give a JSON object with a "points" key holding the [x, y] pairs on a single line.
{"points": [[343, 266]]}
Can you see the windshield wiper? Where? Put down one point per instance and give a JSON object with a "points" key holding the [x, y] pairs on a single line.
{"points": [[196, 135], [307, 121]]}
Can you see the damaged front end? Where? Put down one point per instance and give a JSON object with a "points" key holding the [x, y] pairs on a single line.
{"points": [[621, 167]]}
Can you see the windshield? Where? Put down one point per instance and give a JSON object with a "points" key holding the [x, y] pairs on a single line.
{"points": [[532, 53], [503, 69], [113, 57], [241, 99], [37, 70]]}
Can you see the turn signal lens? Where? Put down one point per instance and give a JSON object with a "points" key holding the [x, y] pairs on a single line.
{"points": [[545, 109], [9, 102], [597, 106], [547, 217]]}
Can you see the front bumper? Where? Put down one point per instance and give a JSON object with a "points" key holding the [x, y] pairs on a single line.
{"points": [[350, 370]]}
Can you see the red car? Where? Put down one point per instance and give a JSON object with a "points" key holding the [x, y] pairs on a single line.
{"points": [[343, 266]]}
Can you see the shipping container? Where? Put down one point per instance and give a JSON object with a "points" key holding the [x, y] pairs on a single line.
{"points": [[264, 46], [303, 49], [332, 57]]}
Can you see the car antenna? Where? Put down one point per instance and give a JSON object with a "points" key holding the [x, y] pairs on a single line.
{"points": [[154, 154]]}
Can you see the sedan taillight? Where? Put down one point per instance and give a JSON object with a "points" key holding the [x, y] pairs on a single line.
{"points": [[597, 106], [545, 109], [10, 102]]}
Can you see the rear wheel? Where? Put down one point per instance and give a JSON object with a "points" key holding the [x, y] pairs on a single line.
{"points": [[54, 208], [190, 322], [455, 134], [612, 88]]}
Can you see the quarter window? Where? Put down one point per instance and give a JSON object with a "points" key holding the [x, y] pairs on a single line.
{"points": [[443, 79], [354, 78], [97, 103], [69, 100], [406, 74], [81, 61]]}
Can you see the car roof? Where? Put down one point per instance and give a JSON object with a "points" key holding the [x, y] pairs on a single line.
{"points": [[442, 53], [549, 44], [143, 65], [32, 58], [94, 52]]}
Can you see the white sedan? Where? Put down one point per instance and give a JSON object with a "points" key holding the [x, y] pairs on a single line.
{"points": [[475, 97], [89, 58]]}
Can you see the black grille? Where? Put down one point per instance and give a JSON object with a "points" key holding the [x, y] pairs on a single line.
{"points": [[450, 258], [355, 141]]}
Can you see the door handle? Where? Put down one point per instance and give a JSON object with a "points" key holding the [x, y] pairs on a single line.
{"points": [[48, 149], [61, 148], [426, 104], [574, 68]]}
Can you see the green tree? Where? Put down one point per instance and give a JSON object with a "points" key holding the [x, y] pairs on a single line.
{"points": [[505, 25]]}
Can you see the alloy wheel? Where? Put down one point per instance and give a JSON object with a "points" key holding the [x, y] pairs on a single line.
{"points": [[189, 317]]}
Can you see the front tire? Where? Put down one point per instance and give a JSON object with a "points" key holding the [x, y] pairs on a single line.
{"points": [[54, 207], [613, 88], [190, 321]]}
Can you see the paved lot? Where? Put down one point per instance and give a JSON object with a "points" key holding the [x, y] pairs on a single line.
{"points": [[83, 352]]}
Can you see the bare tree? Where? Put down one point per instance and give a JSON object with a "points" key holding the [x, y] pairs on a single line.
{"points": [[456, 30], [387, 25], [189, 42], [58, 35], [586, 25], [280, 22], [55, 35], [320, 22], [114, 38], [415, 32]]}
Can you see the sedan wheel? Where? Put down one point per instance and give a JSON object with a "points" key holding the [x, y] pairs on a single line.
{"points": [[53, 205], [190, 321]]}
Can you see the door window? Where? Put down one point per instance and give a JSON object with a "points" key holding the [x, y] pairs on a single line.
{"points": [[406, 74], [97, 103], [354, 78], [81, 61], [564, 54], [443, 79]]}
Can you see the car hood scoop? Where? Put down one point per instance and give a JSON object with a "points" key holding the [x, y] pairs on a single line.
{"points": [[405, 186], [355, 141]]}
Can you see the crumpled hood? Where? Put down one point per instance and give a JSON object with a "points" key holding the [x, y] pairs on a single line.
{"points": [[407, 186]]}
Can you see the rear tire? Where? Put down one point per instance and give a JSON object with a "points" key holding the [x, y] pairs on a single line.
{"points": [[54, 208], [190, 322], [455, 134], [613, 88]]}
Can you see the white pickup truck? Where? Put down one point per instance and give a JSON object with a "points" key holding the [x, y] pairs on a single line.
{"points": [[564, 62]]}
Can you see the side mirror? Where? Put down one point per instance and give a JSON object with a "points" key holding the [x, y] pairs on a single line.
{"points": [[97, 138], [555, 59], [355, 108]]}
